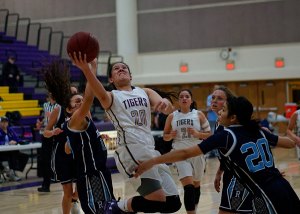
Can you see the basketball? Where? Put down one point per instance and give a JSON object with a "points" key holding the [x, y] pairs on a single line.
{"points": [[85, 43]]}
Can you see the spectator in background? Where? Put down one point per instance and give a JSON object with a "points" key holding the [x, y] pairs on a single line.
{"points": [[212, 119], [211, 115], [9, 137], [11, 74]]}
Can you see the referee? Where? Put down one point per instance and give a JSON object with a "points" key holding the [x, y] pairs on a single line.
{"points": [[44, 160]]}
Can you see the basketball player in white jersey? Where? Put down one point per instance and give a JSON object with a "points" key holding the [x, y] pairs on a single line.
{"points": [[293, 129], [187, 127], [129, 108]]}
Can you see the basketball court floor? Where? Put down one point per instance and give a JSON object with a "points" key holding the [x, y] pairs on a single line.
{"points": [[23, 197]]}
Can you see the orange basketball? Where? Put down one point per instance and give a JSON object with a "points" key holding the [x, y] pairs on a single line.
{"points": [[85, 43]]}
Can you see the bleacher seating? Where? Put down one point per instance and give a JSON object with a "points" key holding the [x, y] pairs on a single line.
{"points": [[14, 102], [30, 61], [29, 58]]}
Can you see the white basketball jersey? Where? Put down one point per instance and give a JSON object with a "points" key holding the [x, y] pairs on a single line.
{"points": [[131, 115], [298, 123], [180, 123]]}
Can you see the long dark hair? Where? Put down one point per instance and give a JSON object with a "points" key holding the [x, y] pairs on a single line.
{"points": [[243, 109], [57, 81], [170, 95]]}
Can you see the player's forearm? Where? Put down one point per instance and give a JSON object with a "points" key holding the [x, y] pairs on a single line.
{"points": [[97, 88], [178, 155], [291, 135], [171, 157]]}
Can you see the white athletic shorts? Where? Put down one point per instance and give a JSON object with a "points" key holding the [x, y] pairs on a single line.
{"points": [[194, 167], [126, 165]]}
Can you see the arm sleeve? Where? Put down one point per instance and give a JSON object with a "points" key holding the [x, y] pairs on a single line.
{"points": [[216, 141], [273, 139]]}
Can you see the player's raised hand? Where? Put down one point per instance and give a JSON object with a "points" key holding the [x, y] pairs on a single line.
{"points": [[79, 61]]}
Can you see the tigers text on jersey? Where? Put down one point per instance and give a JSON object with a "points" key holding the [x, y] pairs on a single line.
{"points": [[181, 122], [131, 115]]}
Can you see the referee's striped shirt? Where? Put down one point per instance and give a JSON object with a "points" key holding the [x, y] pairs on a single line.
{"points": [[48, 108]]}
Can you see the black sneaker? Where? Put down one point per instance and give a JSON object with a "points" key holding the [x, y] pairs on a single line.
{"points": [[43, 189]]}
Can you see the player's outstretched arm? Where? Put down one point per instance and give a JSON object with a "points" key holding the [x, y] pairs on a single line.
{"points": [[104, 97], [286, 142], [170, 157], [159, 104]]}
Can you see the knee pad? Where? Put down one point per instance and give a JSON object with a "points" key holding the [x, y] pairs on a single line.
{"points": [[189, 197], [172, 204], [140, 204], [197, 194]]}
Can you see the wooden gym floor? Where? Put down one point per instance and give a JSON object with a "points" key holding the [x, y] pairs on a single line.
{"points": [[23, 197]]}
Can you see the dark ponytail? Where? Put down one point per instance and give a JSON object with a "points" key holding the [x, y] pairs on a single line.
{"points": [[243, 109], [170, 95], [57, 81]]}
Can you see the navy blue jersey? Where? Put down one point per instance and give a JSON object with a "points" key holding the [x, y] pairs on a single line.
{"points": [[249, 151], [249, 158], [61, 138], [218, 128], [88, 149], [62, 164]]}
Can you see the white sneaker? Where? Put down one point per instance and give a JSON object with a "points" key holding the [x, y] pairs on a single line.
{"points": [[12, 176], [75, 208]]}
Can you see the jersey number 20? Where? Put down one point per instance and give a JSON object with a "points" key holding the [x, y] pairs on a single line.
{"points": [[260, 156]]}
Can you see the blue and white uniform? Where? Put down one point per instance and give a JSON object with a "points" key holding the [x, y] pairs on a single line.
{"points": [[94, 182], [235, 197], [62, 164], [194, 166], [249, 158], [131, 115]]}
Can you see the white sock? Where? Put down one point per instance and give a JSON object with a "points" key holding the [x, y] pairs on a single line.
{"points": [[122, 204]]}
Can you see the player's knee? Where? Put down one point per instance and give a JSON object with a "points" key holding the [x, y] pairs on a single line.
{"points": [[189, 197]]}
